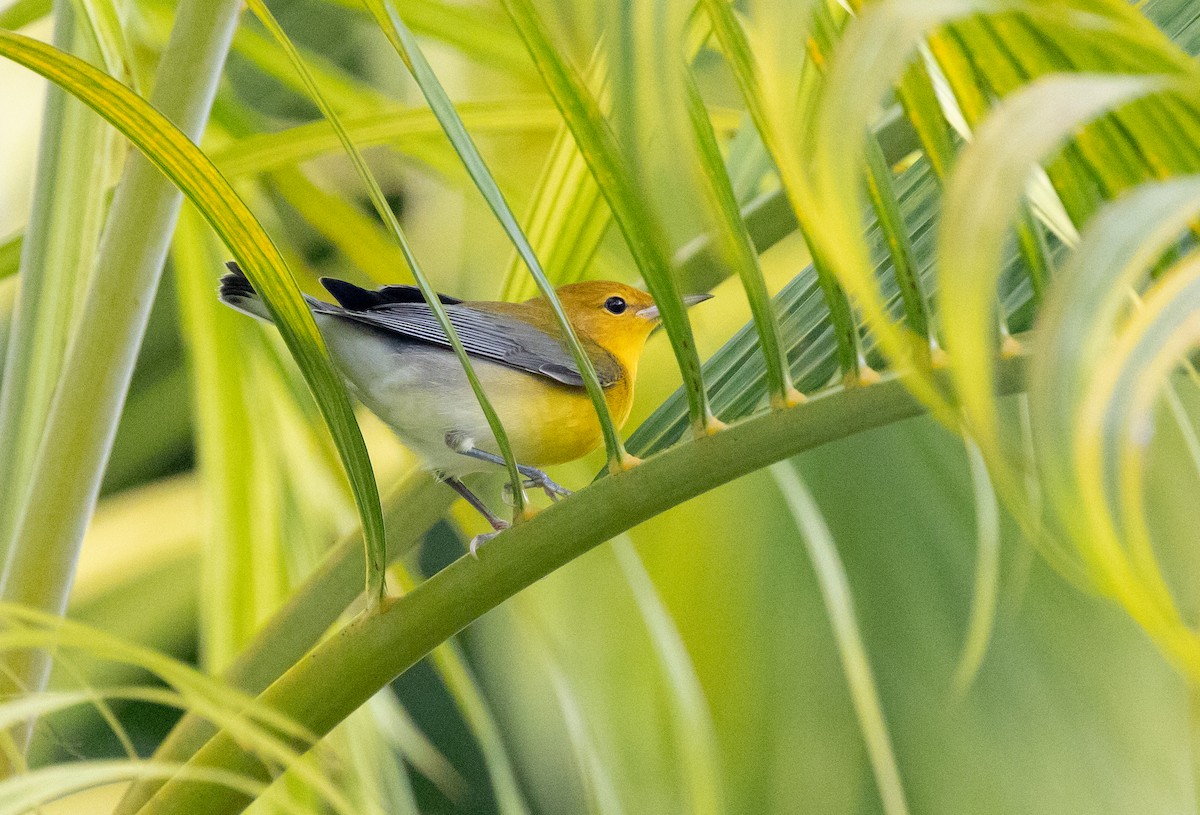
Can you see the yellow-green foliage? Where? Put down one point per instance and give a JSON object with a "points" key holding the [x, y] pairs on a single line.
{"points": [[914, 529]]}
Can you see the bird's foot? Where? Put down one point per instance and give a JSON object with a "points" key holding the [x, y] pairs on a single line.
{"points": [[540, 480], [536, 480], [479, 540]]}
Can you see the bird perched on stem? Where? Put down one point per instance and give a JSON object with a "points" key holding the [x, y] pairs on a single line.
{"points": [[392, 352]]}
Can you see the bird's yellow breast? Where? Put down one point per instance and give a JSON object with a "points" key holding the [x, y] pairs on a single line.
{"points": [[548, 423]]}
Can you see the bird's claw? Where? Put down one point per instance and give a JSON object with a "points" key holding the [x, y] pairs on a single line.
{"points": [[480, 540], [553, 490]]}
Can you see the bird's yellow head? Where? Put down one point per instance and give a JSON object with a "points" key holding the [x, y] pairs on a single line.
{"points": [[616, 317], [607, 313]]}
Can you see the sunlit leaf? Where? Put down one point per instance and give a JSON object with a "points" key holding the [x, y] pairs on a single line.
{"points": [[191, 170], [406, 45], [1020, 133], [643, 233]]}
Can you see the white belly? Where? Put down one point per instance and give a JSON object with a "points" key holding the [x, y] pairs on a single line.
{"points": [[422, 393]]}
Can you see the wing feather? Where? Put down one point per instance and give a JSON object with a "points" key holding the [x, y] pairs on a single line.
{"points": [[495, 337]]}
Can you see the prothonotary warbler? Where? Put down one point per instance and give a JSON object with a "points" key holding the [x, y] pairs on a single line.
{"points": [[392, 352]]}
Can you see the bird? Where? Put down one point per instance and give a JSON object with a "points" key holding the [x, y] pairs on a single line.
{"points": [[394, 357]]}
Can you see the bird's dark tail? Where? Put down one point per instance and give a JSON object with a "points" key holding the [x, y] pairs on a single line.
{"points": [[236, 292]]}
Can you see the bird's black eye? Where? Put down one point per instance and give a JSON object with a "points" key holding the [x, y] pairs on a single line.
{"points": [[616, 305]]}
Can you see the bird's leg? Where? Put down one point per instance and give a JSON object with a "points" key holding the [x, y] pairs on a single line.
{"points": [[471, 498], [536, 478]]}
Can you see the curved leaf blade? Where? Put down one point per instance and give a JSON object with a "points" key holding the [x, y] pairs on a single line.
{"points": [[983, 197], [375, 192], [194, 173], [408, 49]]}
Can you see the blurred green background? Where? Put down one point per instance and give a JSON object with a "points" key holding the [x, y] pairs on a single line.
{"points": [[691, 665]]}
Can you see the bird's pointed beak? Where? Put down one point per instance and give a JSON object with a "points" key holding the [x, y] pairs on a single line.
{"points": [[688, 300]]}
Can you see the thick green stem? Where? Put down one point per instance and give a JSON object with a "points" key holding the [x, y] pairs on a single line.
{"points": [[55, 261], [410, 510], [345, 670], [100, 358]]}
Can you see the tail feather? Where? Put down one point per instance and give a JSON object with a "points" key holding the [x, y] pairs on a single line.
{"points": [[356, 298], [236, 291]]}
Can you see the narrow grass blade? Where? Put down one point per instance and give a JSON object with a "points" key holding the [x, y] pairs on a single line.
{"points": [[882, 194], [350, 91], [1149, 350], [377, 781], [274, 738], [392, 125], [106, 28], [452, 667], [478, 31], [1109, 454], [835, 589], [408, 49], [643, 234], [1118, 249], [693, 720], [1032, 241], [567, 217], [1101, 407], [38, 788], [460, 682], [398, 728], [252, 45], [601, 793], [343, 224], [225, 442], [987, 574], [923, 109], [735, 240], [600, 790], [100, 703], [882, 197], [37, 705], [176, 156], [427, 290], [770, 98]]}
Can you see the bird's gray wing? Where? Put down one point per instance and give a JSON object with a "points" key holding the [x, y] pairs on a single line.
{"points": [[494, 337]]}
